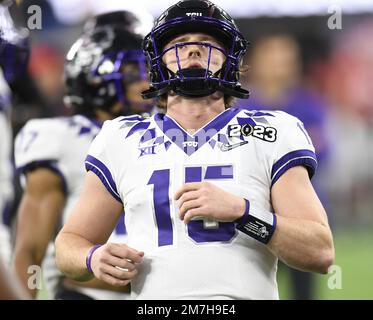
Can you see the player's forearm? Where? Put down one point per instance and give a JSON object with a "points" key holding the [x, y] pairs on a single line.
{"points": [[10, 288], [30, 247], [303, 244], [71, 253]]}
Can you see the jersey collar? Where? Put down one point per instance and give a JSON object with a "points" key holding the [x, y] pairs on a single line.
{"points": [[190, 143]]}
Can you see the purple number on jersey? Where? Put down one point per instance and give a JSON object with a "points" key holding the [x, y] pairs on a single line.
{"points": [[161, 181], [222, 231]]}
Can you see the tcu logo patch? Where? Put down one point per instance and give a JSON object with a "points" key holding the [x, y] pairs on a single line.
{"points": [[193, 144]]}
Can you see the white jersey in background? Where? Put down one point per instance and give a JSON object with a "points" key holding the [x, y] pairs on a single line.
{"points": [[61, 144], [143, 162], [6, 170]]}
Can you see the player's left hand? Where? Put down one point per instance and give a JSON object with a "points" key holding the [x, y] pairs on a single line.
{"points": [[204, 199]]}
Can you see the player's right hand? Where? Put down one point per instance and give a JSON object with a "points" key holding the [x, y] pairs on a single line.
{"points": [[115, 263]]}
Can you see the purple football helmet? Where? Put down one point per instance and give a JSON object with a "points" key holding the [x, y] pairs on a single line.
{"points": [[196, 16], [102, 62]]}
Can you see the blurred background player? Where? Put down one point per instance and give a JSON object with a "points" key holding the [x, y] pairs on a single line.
{"points": [[14, 54], [275, 78], [16, 86], [6, 169], [105, 73], [10, 288]]}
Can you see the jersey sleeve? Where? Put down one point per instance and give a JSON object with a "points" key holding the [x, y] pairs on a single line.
{"points": [[293, 148], [37, 145], [98, 160]]}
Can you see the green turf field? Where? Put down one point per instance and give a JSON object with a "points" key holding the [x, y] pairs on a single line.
{"points": [[354, 255]]}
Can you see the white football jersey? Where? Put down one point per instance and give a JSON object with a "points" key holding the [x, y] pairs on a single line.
{"points": [[6, 170], [143, 162], [61, 144]]}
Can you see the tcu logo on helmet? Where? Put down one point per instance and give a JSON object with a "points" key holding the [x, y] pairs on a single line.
{"points": [[193, 14]]}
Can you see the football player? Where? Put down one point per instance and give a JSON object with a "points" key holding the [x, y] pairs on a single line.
{"points": [[10, 289], [213, 195], [105, 73], [14, 54], [6, 169]]}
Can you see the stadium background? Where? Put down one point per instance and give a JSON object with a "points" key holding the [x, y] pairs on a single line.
{"points": [[336, 58]]}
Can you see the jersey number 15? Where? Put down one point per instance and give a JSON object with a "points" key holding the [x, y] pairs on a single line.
{"points": [[197, 231]]}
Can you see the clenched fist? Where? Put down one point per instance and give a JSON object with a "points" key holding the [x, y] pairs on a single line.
{"points": [[116, 264]]}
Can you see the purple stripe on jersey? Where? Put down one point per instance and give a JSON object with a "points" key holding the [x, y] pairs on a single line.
{"points": [[2, 106], [120, 228], [262, 114], [132, 118], [159, 140], [97, 167], [223, 138], [191, 143], [303, 153], [137, 127], [84, 130], [7, 212], [242, 121], [306, 161], [48, 164], [148, 135], [219, 172], [167, 144], [212, 143]]}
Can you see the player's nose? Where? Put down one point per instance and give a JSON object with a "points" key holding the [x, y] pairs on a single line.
{"points": [[194, 50]]}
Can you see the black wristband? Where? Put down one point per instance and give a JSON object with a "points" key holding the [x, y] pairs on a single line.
{"points": [[260, 226]]}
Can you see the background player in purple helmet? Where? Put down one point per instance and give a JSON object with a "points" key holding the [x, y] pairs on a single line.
{"points": [[14, 53], [104, 76]]}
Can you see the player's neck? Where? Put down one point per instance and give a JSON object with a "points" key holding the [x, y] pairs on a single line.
{"points": [[193, 114]]}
